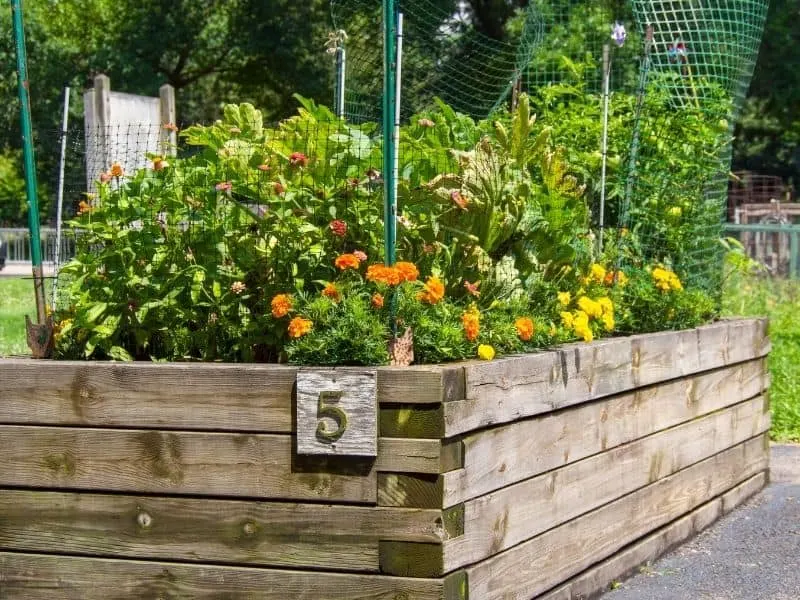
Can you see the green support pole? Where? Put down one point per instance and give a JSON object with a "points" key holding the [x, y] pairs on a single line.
{"points": [[28, 158], [389, 111], [793, 249]]}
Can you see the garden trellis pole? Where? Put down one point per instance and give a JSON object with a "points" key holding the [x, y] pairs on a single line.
{"points": [[604, 144], [60, 200], [388, 117], [341, 61], [28, 160]]}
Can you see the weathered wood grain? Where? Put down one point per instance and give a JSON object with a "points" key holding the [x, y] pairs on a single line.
{"points": [[505, 518], [213, 464], [407, 455], [515, 387], [235, 532], [500, 456], [422, 384], [542, 563], [41, 577], [596, 579], [143, 395], [337, 412]]}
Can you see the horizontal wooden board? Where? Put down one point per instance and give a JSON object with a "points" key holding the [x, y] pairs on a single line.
{"points": [[189, 529], [596, 579], [540, 564], [227, 397], [42, 577], [505, 518], [169, 395], [515, 387], [497, 457], [405, 455], [142, 461]]}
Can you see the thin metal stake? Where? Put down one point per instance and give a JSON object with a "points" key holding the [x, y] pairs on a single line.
{"points": [[60, 197], [341, 58], [604, 145]]}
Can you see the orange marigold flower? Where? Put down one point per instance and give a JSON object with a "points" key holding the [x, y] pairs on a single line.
{"points": [[278, 188], [347, 261], [331, 291], [433, 291], [471, 322], [379, 273], [377, 300], [525, 328], [299, 326], [84, 207], [408, 271], [281, 305], [159, 164], [116, 170]]}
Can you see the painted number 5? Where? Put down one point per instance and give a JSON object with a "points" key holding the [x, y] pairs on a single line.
{"points": [[325, 410]]}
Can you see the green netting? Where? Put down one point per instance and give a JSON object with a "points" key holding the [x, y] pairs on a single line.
{"points": [[443, 56], [671, 112]]}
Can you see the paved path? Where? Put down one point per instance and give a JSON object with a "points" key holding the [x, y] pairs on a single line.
{"points": [[24, 270], [751, 554]]}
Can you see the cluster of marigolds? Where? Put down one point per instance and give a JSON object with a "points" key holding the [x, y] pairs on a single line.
{"points": [[577, 316]]}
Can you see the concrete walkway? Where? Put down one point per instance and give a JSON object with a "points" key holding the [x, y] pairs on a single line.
{"points": [[751, 554]]}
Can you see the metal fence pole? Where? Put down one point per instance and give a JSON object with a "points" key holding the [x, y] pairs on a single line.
{"points": [[28, 159], [341, 61], [60, 197], [604, 143], [389, 114]]}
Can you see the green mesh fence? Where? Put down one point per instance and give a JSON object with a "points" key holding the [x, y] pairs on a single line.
{"points": [[671, 113]]}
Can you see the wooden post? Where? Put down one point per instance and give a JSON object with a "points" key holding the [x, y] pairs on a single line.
{"points": [[168, 136]]}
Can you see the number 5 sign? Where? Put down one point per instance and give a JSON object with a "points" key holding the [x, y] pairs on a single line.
{"points": [[337, 412]]}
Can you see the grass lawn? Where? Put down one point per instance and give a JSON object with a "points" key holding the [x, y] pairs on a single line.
{"points": [[16, 300], [777, 299]]}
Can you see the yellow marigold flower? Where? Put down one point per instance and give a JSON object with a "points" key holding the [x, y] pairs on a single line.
{"points": [[485, 352], [331, 291], [567, 319], [580, 325], [665, 279], [598, 273], [525, 328], [552, 331], [347, 261], [564, 298], [471, 322], [379, 273], [377, 300], [433, 291], [608, 321], [299, 326], [606, 305], [281, 305], [590, 307], [408, 271]]}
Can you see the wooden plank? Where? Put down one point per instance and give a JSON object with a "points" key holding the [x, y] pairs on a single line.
{"points": [[406, 455], [596, 579], [503, 455], [421, 384], [414, 421], [337, 412], [505, 518], [743, 492], [143, 395], [187, 529], [42, 577], [540, 564], [141, 461], [515, 387]]}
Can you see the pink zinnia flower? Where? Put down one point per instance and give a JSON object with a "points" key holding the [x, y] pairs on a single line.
{"points": [[224, 186], [360, 255], [338, 228], [298, 159]]}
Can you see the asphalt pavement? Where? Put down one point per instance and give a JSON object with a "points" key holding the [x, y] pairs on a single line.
{"points": [[753, 553]]}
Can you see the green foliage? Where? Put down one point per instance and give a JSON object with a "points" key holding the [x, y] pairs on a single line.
{"points": [[13, 205]]}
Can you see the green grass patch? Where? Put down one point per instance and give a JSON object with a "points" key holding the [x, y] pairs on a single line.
{"points": [[16, 300], [777, 299]]}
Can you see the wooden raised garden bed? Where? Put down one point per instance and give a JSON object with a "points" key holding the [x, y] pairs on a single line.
{"points": [[537, 476]]}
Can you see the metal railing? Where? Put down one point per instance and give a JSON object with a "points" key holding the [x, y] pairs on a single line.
{"points": [[775, 245], [19, 245]]}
